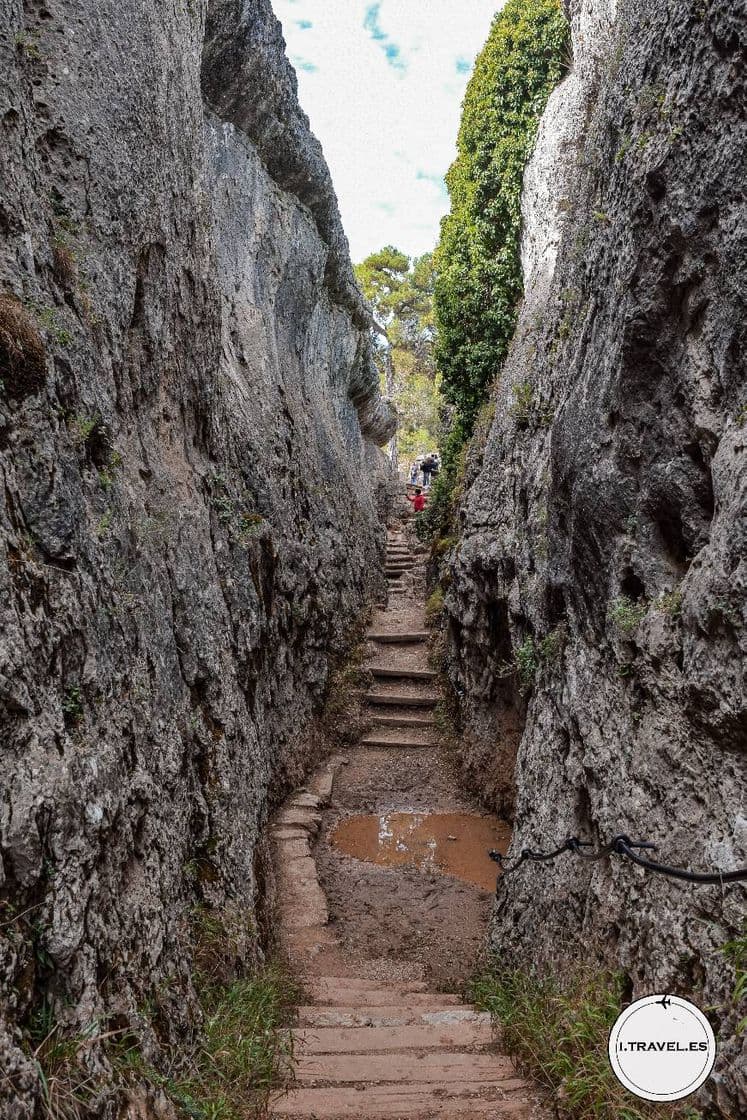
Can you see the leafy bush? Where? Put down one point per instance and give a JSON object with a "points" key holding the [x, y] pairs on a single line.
{"points": [[478, 266]]}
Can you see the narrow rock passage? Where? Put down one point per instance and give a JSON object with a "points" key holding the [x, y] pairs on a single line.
{"points": [[381, 949]]}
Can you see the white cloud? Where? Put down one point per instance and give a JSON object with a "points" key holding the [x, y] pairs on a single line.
{"points": [[382, 83]]}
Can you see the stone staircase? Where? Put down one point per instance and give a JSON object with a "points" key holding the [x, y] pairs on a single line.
{"points": [[373, 1047]]}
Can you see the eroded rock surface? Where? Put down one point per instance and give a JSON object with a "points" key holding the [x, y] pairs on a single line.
{"points": [[604, 525], [191, 491]]}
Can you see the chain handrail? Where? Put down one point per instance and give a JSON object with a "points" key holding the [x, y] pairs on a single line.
{"points": [[622, 846]]}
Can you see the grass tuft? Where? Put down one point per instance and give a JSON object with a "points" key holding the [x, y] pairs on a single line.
{"points": [[22, 350], [557, 1029], [246, 1049]]}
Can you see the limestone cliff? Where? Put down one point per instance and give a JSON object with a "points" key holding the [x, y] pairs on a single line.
{"points": [[191, 488], [596, 607]]}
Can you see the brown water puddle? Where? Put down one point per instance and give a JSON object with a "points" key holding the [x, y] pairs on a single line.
{"points": [[453, 843]]}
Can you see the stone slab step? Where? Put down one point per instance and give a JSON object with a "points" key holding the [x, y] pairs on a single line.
{"points": [[380, 720], [394, 700], [298, 818], [445, 1065], [416, 1102], [375, 997], [401, 674], [379, 1040], [399, 744], [365, 984], [395, 1016], [405, 638]]}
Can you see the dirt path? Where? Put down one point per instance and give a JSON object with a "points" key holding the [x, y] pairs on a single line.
{"points": [[384, 943]]}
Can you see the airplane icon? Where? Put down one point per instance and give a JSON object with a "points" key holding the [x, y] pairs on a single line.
{"points": [[665, 1001]]}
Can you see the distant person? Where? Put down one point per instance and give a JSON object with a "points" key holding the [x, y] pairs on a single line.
{"points": [[418, 502], [427, 469], [436, 466], [414, 473]]}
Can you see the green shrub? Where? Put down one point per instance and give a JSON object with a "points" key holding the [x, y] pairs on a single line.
{"points": [[478, 267]]}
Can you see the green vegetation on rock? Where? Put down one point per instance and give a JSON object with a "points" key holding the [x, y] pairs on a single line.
{"points": [[478, 264]]}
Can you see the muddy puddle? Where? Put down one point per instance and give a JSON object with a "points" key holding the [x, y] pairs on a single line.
{"points": [[452, 843]]}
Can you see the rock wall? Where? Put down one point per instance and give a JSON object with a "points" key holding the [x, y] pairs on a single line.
{"points": [[597, 598], [191, 490]]}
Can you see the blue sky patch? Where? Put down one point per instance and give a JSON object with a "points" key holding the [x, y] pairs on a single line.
{"points": [[304, 64], [304, 24], [392, 50], [463, 66]]}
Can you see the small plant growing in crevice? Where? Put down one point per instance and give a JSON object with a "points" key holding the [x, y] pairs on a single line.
{"points": [[50, 321], [671, 603], [626, 614], [22, 350], [104, 524], [72, 706], [27, 42], [527, 663], [107, 474], [523, 404], [434, 608], [64, 264]]}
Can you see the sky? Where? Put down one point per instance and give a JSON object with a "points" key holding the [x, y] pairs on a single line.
{"points": [[382, 84]]}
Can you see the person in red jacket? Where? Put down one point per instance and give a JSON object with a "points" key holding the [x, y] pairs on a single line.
{"points": [[418, 502]]}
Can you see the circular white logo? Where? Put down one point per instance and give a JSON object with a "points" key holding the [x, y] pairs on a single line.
{"points": [[662, 1048]]}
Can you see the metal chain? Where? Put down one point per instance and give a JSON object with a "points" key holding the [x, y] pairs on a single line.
{"points": [[621, 846]]}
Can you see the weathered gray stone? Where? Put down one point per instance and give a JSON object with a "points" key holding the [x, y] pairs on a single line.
{"points": [[190, 507], [609, 516]]}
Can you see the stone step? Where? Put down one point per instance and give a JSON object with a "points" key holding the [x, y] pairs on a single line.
{"points": [[405, 638], [399, 743], [449, 1066], [409, 674], [464, 1035], [395, 1016], [395, 700], [365, 984], [414, 1102], [400, 721], [376, 997]]}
